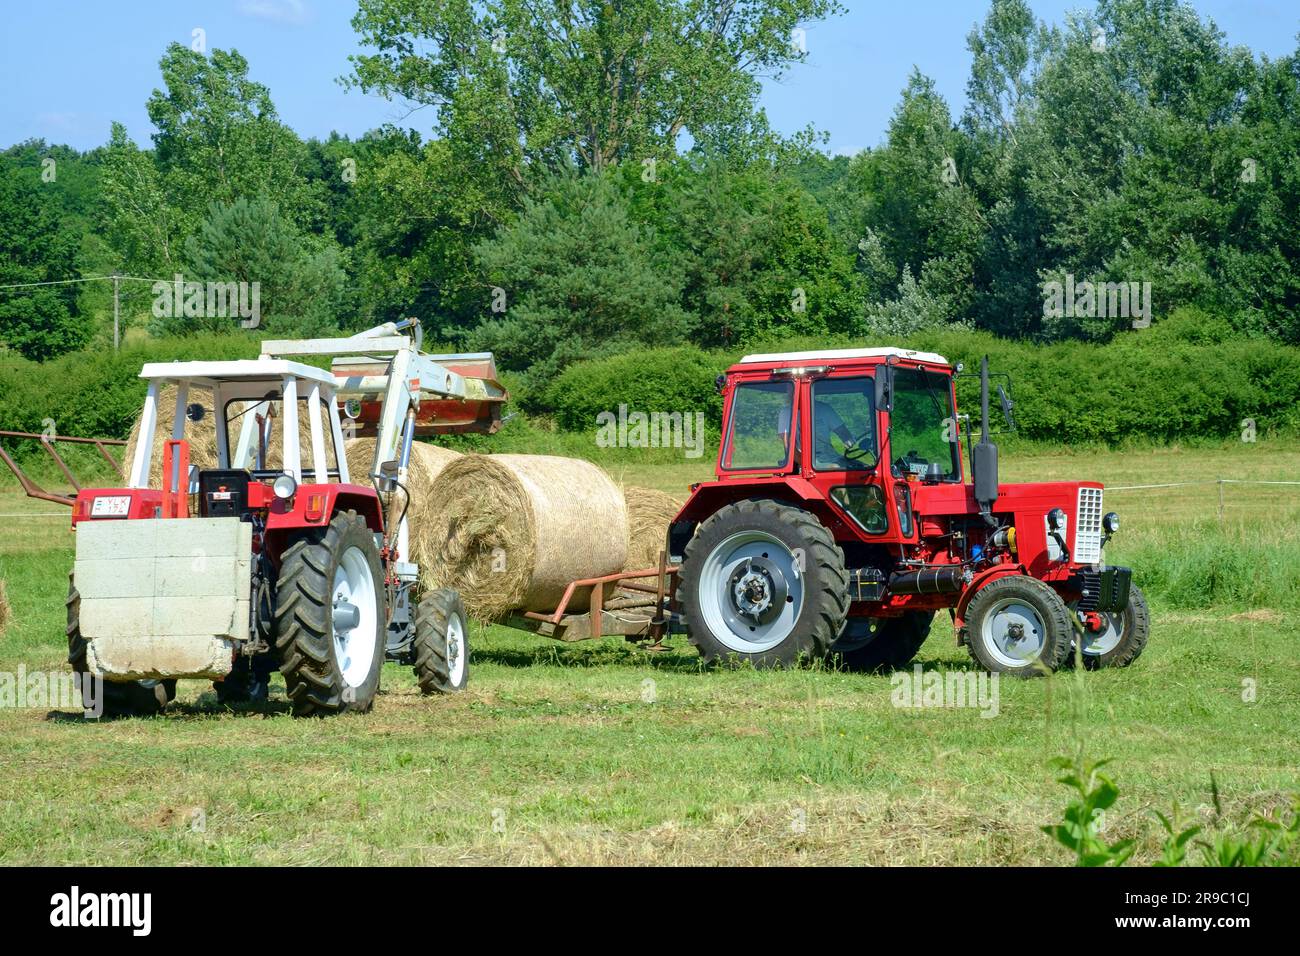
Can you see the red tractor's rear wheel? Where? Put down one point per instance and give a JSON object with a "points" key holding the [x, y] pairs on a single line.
{"points": [[763, 582], [882, 644], [329, 614]]}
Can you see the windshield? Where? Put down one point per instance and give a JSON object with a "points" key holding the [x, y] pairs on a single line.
{"points": [[255, 435], [923, 433]]}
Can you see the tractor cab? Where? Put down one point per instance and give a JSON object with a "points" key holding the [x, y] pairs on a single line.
{"points": [[864, 426], [271, 426]]}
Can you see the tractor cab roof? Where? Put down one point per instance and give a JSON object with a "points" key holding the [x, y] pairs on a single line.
{"points": [[243, 371], [865, 357]]}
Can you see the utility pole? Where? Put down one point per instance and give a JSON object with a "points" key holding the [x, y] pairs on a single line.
{"points": [[117, 285]]}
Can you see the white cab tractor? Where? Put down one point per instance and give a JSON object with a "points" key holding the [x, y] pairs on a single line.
{"points": [[277, 557]]}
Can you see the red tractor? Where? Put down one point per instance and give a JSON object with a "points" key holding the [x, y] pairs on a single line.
{"points": [[277, 557], [842, 518]]}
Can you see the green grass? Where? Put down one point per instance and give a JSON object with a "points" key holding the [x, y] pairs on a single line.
{"points": [[555, 754]]}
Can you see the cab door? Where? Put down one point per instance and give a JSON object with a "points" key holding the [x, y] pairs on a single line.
{"points": [[842, 449]]}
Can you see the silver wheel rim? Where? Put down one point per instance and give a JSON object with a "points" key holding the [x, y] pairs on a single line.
{"points": [[456, 656], [355, 617], [1013, 633], [751, 592], [1097, 643]]}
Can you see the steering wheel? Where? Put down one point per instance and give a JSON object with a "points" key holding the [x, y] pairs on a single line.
{"points": [[860, 448]]}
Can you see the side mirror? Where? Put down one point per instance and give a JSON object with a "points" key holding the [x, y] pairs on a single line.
{"points": [[719, 383], [1007, 405], [195, 412], [352, 408], [885, 388]]}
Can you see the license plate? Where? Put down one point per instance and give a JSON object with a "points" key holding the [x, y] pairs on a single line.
{"points": [[114, 507]]}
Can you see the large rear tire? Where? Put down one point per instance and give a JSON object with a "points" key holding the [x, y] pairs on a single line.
{"points": [[441, 643], [329, 618], [1018, 626], [137, 698], [890, 643], [763, 582]]}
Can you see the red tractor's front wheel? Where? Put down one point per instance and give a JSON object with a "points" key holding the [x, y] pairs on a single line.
{"points": [[1115, 638], [763, 582]]}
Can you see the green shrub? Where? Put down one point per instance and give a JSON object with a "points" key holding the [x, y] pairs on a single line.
{"points": [[1182, 380], [97, 394], [652, 380]]}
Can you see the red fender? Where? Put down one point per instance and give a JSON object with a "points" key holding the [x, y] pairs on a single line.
{"points": [[981, 579]]}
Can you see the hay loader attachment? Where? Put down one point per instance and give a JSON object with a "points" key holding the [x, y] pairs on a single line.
{"points": [[47, 443]]}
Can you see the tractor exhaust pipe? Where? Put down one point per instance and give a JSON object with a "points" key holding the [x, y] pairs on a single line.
{"points": [[984, 457]]}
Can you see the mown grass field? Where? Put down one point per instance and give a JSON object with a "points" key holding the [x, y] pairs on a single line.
{"points": [[602, 753]]}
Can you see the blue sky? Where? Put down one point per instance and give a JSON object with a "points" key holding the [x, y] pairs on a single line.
{"points": [[69, 68]]}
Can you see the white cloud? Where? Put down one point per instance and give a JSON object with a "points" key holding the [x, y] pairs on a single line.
{"points": [[277, 11]]}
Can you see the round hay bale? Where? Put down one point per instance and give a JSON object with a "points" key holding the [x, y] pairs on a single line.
{"points": [[426, 462], [511, 531], [649, 512], [202, 435]]}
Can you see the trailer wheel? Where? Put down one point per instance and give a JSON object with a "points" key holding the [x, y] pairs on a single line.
{"points": [[881, 644], [441, 643], [1122, 636], [137, 698], [1018, 626], [329, 619], [763, 582]]}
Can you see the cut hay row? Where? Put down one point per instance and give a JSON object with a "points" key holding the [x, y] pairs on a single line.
{"points": [[6, 611]]}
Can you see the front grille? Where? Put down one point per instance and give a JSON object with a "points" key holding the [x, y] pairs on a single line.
{"points": [[1087, 527], [1103, 590]]}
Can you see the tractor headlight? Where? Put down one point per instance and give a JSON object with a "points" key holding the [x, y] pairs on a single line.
{"points": [[1110, 523], [284, 486], [1056, 519]]}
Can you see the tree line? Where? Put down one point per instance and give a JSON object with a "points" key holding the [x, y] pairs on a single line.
{"points": [[593, 178]]}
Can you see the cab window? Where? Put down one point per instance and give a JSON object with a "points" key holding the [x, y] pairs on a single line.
{"points": [[266, 446], [844, 424], [758, 434]]}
